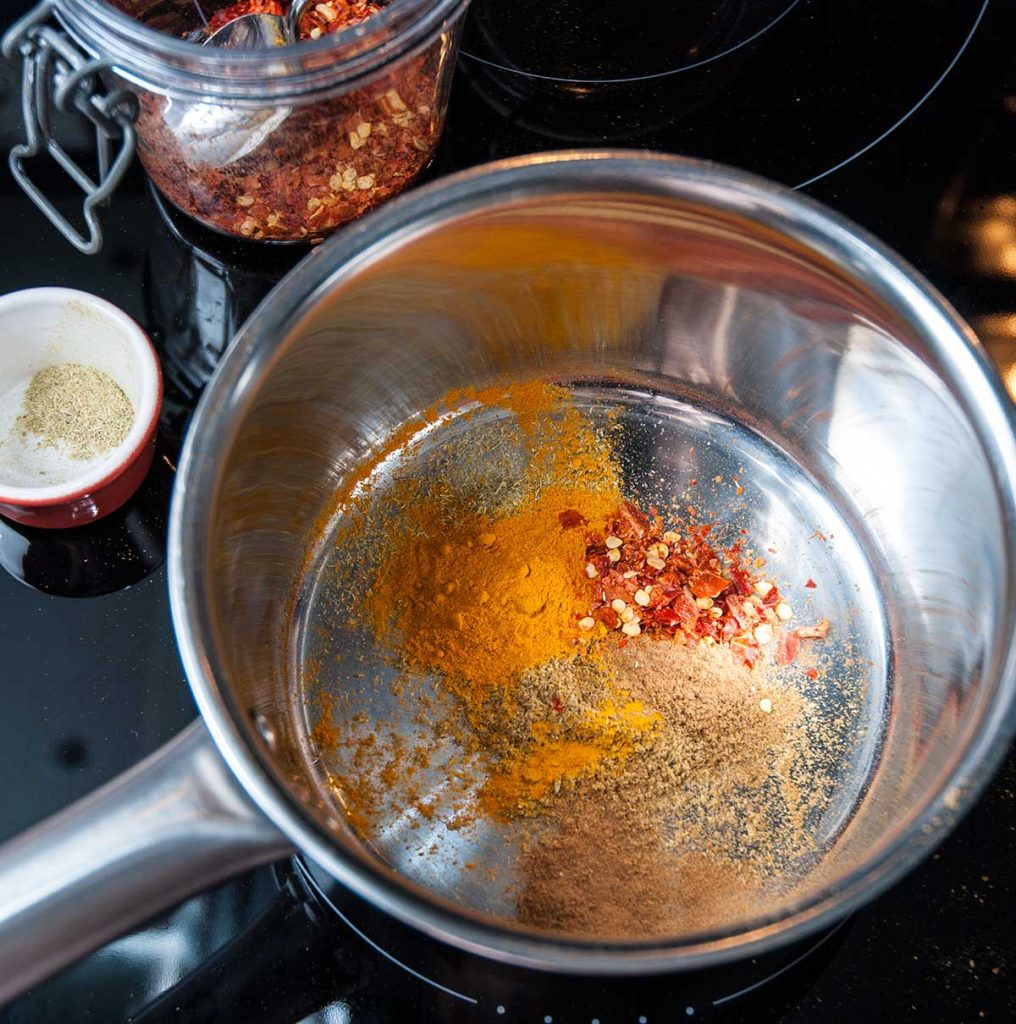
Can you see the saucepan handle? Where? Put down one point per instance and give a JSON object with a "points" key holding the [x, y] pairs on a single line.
{"points": [[168, 828]]}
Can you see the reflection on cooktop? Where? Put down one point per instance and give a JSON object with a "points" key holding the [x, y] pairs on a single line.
{"points": [[790, 91], [97, 558], [598, 41]]}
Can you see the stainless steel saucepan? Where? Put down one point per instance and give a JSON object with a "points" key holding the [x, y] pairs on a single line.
{"points": [[725, 308]]}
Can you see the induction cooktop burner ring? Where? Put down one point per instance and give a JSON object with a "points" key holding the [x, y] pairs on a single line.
{"points": [[635, 78], [308, 879], [909, 113]]}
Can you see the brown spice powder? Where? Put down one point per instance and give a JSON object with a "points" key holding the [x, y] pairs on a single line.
{"points": [[597, 871], [683, 835]]}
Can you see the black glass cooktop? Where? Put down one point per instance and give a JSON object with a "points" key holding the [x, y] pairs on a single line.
{"points": [[902, 116]]}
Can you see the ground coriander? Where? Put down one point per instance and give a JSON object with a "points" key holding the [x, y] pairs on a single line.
{"points": [[77, 408]]}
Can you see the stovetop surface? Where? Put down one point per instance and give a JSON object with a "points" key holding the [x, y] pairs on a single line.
{"points": [[901, 116]]}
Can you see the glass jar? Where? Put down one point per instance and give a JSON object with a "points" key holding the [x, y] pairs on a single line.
{"points": [[280, 144]]}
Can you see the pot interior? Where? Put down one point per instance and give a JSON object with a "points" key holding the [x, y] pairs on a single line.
{"points": [[727, 349]]}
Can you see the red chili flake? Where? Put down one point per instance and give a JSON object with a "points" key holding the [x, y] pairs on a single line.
{"points": [[811, 673], [667, 617], [811, 584], [748, 653], [684, 588], [326, 163], [607, 616], [555, 703], [816, 632], [787, 649], [742, 580], [570, 517], [709, 585], [633, 521], [242, 7]]}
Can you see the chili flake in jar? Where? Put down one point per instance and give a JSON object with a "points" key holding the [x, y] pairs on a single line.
{"points": [[296, 172]]}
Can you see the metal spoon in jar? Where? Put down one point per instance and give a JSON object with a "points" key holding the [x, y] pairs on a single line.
{"points": [[253, 31], [216, 135]]}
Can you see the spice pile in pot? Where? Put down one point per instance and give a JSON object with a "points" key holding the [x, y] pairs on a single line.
{"points": [[293, 169], [612, 684]]}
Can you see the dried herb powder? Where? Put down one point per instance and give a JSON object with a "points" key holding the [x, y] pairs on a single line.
{"points": [[75, 408]]}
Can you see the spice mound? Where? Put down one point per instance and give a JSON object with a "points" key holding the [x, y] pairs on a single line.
{"points": [[607, 682], [482, 599], [77, 409]]}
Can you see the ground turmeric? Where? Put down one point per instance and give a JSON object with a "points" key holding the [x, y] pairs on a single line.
{"points": [[557, 755], [479, 576], [484, 599]]}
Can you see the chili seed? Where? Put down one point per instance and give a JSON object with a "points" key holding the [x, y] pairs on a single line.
{"points": [[315, 32], [614, 555], [394, 100], [763, 633], [658, 550], [766, 705], [613, 542], [628, 615], [631, 629], [365, 182], [784, 612], [618, 605], [591, 571], [705, 603], [641, 598], [656, 563], [248, 226], [587, 623], [762, 587], [245, 200]]}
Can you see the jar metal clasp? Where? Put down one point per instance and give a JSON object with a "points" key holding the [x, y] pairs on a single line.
{"points": [[56, 75]]}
